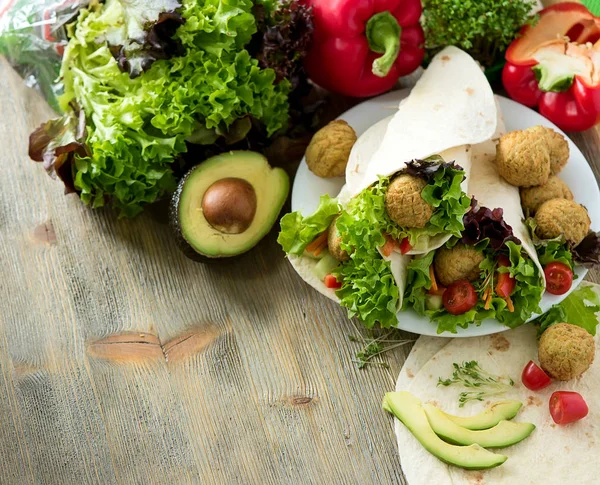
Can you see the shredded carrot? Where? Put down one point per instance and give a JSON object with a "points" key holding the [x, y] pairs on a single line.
{"points": [[488, 300], [318, 241], [511, 307], [434, 285], [320, 249]]}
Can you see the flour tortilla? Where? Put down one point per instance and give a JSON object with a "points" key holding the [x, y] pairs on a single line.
{"points": [[552, 455], [451, 105]]}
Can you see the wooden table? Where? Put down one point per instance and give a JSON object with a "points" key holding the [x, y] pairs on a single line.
{"points": [[124, 362]]}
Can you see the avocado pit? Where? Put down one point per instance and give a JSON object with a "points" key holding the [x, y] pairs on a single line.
{"points": [[229, 205]]}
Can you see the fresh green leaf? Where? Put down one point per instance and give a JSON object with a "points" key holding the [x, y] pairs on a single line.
{"points": [[579, 308], [297, 231]]}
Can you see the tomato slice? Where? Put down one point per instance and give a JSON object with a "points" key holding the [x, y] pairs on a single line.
{"points": [[459, 297], [567, 407], [534, 377], [405, 246], [389, 246], [506, 285], [332, 282], [559, 278]]}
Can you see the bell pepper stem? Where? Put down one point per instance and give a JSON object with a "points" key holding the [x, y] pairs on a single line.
{"points": [[383, 34]]}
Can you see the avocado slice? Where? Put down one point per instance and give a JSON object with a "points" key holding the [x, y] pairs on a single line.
{"points": [[505, 433], [408, 409], [491, 416], [225, 205]]}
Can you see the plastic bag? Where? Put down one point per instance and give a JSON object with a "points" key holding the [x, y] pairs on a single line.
{"points": [[33, 37]]}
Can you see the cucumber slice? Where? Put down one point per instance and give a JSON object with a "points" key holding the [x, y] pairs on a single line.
{"points": [[325, 266], [433, 302]]}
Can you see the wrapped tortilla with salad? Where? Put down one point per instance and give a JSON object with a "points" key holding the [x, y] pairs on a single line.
{"points": [[355, 249], [491, 270]]}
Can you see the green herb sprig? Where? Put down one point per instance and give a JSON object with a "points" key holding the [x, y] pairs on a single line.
{"points": [[470, 375], [375, 347], [483, 28]]}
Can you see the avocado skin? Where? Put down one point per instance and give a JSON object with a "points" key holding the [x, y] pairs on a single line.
{"points": [[175, 225], [183, 245]]}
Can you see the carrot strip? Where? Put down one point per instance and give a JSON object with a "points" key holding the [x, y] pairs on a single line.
{"points": [[434, 285], [320, 249], [488, 301], [318, 241], [511, 307]]}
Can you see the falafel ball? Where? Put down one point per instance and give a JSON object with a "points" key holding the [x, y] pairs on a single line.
{"points": [[333, 243], [559, 149], [533, 197], [458, 263], [558, 217], [404, 203], [523, 157], [329, 149], [566, 351]]}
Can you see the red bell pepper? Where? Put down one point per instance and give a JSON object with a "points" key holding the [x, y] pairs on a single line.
{"points": [[360, 48], [555, 66]]}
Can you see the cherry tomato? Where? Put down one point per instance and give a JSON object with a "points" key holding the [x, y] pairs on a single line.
{"points": [[405, 246], [559, 278], [567, 407], [332, 282], [459, 297], [534, 377]]}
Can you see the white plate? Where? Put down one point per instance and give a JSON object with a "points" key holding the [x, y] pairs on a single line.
{"points": [[577, 174]]}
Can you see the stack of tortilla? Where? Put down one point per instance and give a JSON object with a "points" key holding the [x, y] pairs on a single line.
{"points": [[552, 454]]}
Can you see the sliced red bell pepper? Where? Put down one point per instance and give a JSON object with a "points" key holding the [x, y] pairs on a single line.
{"points": [[506, 283], [405, 246], [555, 66], [360, 48]]}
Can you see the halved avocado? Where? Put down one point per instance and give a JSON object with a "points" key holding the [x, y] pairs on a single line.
{"points": [[224, 206], [489, 417], [408, 409], [505, 433]]}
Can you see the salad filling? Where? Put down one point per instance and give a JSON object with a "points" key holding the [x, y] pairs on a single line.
{"points": [[484, 273]]}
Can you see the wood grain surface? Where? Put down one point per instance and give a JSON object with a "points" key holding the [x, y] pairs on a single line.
{"points": [[123, 362]]}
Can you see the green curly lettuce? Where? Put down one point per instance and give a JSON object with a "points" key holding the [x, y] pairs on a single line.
{"points": [[526, 295], [297, 231], [369, 290], [136, 127]]}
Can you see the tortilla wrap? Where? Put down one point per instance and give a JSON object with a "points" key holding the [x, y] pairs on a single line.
{"points": [[552, 455], [450, 107], [492, 191]]}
